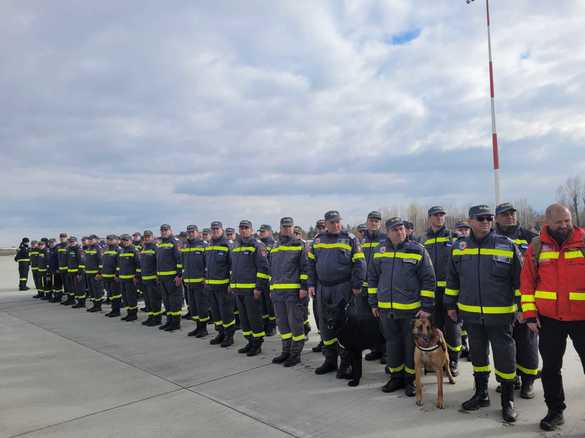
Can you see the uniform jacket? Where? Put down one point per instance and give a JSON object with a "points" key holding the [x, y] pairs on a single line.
{"points": [[336, 259], [438, 245], [43, 260], [73, 258], [148, 261], [110, 261], [555, 287], [33, 255], [22, 255], [519, 235], [371, 243], [193, 254], [218, 262], [128, 263], [168, 258], [249, 266], [401, 279], [62, 250], [288, 266], [483, 279], [93, 259]]}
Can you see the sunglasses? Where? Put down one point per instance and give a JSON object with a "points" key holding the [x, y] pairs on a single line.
{"points": [[484, 218]]}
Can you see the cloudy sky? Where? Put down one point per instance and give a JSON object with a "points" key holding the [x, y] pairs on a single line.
{"points": [[118, 116]]}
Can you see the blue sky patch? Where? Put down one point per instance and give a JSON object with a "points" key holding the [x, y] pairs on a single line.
{"points": [[401, 38]]}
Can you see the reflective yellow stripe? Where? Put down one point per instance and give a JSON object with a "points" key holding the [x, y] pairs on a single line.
{"points": [[166, 273], [527, 299], [577, 296], [193, 249], [226, 281], [90, 251], [126, 276], [262, 275], [149, 277], [548, 255], [285, 336], [358, 256], [398, 255], [396, 369], [108, 275], [165, 245], [110, 252], [517, 293], [193, 280], [229, 324], [521, 242], [217, 248], [242, 285], [61, 268], [441, 283], [505, 376], [91, 271], [483, 369], [452, 292], [427, 293], [23, 260], [286, 248], [127, 254], [409, 370], [328, 342], [457, 348], [115, 297], [399, 306], [179, 266], [372, 290], [529, 371], [61, 250], [258, 335], [285, 286], [332, 246], [244, 248], [483, 251], [491, 310], [298, 338], [72, 270], [148, 251], [545, 295], [527, 307], [311, 255], [573, 254], [304, 277], [437, 240], [370, 244]]}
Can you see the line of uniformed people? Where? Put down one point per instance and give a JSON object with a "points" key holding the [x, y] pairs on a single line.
{"points": [[269, 281]]}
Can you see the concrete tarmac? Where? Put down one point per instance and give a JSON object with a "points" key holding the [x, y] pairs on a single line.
{"points": [[68, 373]]}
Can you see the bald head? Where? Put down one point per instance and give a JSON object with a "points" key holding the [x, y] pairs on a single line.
{"points": [[558, 220]]}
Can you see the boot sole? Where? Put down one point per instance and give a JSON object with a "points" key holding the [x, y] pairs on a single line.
{"points": [[483, 404]]}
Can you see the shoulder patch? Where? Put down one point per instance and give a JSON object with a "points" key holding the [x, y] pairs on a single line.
{"points": [[351, 236]]}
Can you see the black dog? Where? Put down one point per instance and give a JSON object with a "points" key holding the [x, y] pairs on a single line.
{"points": [[356, 330]]}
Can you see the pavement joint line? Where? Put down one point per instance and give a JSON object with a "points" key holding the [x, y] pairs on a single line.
{"points": [[179, 386], [101, 411]]}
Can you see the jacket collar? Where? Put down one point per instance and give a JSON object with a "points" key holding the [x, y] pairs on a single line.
{"points": [[575, 239]]}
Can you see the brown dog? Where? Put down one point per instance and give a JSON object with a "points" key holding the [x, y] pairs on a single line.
{"points": [[430, 353]]}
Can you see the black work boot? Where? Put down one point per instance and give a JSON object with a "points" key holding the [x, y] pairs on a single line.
{"points": [[395, 383], [246, 347], [527, 388], [256, 347], [218, 338], [201, 329], [38, 295], [509, 413], [328, 366], [270, 328], [69, 301], [115, 312], [295, 354], [285, 352], [480, 398], [552, 420], [166, 324], [46, 296], [174, 324], [80, 303], [228, 340], [155, 321], [147, 322], [132, 315], [57, 298]]}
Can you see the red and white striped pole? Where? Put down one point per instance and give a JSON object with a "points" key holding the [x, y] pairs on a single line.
{"points": [[495, 151]]}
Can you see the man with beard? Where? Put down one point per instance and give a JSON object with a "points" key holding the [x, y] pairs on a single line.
{"points": [[526, 340], [553, 302]]}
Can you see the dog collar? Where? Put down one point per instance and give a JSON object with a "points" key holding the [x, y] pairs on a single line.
{"points": [[427, 349]]}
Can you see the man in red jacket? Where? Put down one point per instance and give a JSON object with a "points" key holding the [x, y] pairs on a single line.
{"points": [[553, 301]]}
